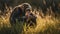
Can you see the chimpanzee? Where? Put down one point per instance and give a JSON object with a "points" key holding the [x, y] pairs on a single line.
{"points": [[19, 14]]}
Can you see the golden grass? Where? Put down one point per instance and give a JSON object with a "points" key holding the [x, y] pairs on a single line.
{"points": [[45, 24]]}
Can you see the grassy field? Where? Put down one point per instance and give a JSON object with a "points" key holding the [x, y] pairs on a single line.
{"points": [[49, 24]]}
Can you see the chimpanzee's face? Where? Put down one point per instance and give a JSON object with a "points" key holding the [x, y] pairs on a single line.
{"points": [[26, 7]]}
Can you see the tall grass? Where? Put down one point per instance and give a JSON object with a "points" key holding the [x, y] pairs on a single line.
{"points": [[48, 24]]}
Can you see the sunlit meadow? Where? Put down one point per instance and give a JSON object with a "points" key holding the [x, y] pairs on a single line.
{"points": [[48, 24]]}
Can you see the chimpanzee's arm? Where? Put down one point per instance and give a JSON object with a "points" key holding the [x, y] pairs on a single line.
{"points": [[15, 15]]}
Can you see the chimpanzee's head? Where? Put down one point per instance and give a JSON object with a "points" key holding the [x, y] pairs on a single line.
{"points": [[26, 7]]}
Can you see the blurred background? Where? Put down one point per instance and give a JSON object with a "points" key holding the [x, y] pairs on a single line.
{"points": [[38, 4]]}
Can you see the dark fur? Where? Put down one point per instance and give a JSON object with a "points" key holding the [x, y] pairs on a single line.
{"points": [[18, 13]]}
